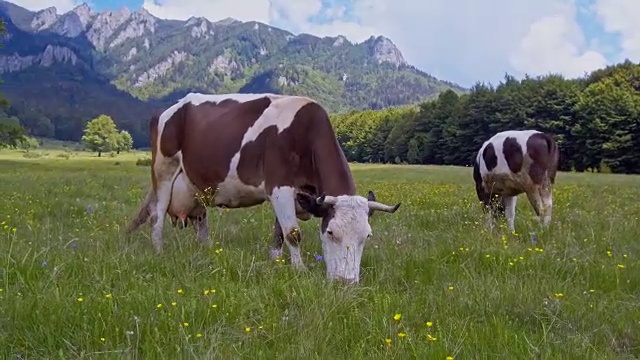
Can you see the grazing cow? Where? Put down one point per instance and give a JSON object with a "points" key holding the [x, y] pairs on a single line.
{"points": [[512, 162], [252, 148]]}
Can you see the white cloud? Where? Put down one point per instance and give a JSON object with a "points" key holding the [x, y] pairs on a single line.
{"points": [[34, 5], [555, 43], [296, 13], [335, 12], [622, 17], [243, 10], [469, 40]]}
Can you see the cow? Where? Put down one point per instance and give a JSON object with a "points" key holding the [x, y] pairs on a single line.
{"points": [[514, 162], [245, 149]]}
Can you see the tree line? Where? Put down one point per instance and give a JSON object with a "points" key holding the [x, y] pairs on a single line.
{"points": [[595, 120]]}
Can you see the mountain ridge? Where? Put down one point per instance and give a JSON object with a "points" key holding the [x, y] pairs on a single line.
{"points": [[149, 60]]}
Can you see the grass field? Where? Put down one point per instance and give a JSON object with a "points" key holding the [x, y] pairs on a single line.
{"points": [[434, 284]]}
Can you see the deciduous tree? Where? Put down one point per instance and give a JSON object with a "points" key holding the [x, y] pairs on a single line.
{"points": [[125, 141], [101, 135]]}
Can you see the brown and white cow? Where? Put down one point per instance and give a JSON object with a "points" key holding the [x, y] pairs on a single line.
{"points": [[252, 148], [515, 162]]}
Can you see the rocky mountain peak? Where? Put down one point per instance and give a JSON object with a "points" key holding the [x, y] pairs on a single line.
{"points": [[195, 20], [44, 18], [71, 24], [84, 13], [227, 21], [105, 24], [143, 18], [143, 13], [384, 50], [340, 40], [50, 10]]}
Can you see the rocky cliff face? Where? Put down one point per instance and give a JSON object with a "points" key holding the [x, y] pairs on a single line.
{"points": [[52, 54], [383, 50], [43, 19], [105, 25]]}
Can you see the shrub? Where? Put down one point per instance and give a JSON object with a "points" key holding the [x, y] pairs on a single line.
{"points": [[143, 161], [32, 155]]}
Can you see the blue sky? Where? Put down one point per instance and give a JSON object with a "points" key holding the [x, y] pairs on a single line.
{"points": [[115, 4], [458, 40]]}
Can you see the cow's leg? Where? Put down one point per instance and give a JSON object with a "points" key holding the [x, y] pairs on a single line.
{"points": [[541, 199], [166, 170], [494, 207], [153, 211], [535, 199], [546, 206], [278, 241], [489, 218], [487, 210], [201, 227], [282, 199], [510, 211], [164, 196], [278, 236]]}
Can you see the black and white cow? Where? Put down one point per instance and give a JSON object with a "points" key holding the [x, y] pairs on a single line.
{"points": [[514, 162]]}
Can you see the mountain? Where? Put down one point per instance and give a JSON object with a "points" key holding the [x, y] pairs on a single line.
{"points": [[61, 70]]}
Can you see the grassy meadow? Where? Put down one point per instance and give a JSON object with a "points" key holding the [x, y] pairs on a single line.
{"points": [[435, 283]]}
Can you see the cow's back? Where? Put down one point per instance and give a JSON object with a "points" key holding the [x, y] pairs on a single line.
{"points": [[233, 143], [213, 134], [512, 160], [505, 153]]}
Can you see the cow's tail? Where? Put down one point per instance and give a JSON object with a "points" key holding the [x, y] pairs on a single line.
{"points": [[144, 213], [554, 153]]}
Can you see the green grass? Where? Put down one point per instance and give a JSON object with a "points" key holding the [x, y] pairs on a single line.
{"points": [[74, 287]]}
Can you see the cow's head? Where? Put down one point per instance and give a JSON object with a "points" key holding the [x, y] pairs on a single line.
{"points": [[344, 231], [490, 202]]}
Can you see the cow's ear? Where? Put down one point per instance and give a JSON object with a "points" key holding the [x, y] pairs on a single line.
{"points": [[371, 196], [309, 203]]}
